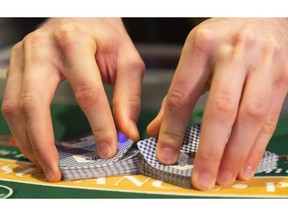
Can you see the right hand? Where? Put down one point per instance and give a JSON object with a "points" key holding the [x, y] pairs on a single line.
{"points": [[85, 52], [243, 63]]}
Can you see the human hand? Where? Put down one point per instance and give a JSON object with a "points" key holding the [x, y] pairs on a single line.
{"points": [[244, 64], [85, 52]]}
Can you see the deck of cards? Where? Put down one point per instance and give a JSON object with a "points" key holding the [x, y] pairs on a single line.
{"points": [[79, 159], [180, 173]]}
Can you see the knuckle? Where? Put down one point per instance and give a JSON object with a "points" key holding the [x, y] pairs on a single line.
{"points": [[27, 104], [133, 102], [33, 50], [177, 100], [269, 48], [269, 126], [224, 53], [135, 64], [201, 38], [223, 104], [245, 35], [87, 96], [16, 49], [67, 35], [282, 79], [172, 138], [255, 111], [33, 39], [103, 134], [9, 108], [138, 64]]}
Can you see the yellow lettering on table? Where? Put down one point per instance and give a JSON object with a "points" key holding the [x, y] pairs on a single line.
{"points": [[6, 169], [26, 172], [133, 180]]}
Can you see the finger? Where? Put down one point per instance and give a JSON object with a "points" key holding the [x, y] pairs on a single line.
{"points": [[127, 93], [81, 70], [154, 126], [257, 151], [250, 119], [39, 84], [189, 80], [10, 106], [221, 110]]}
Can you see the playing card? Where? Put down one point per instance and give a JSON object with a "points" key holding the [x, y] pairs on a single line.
{"points": [[180, 172], [78, 158]]}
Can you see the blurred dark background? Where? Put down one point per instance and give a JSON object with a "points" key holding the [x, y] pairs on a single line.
{"points": [[160, 30], [159, 40], [13, 30], [141, 30]]}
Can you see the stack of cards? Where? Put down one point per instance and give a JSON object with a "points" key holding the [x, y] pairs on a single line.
{"points": [[180, 173], [268, 163], [78, 159]]}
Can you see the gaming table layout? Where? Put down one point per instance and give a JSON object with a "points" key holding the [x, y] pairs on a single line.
{"points": [[21, 179]]}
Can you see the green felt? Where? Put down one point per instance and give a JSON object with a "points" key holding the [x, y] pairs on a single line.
{"points": [[69, 120]]}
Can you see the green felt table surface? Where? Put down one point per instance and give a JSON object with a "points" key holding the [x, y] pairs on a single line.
{"points": [[69, 120]]}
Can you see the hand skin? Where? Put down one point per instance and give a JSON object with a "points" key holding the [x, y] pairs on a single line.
{"points": [[243, 62], [85, 52]]}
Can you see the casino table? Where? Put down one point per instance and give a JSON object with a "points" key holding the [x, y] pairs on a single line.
{"points": [[21, 179]]}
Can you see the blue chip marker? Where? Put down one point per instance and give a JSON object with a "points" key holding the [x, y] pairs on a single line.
{"points": [[121, 137]]}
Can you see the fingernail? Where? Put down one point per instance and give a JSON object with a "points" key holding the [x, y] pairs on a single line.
{"points": [[225, 177], [104, 150], [49, 174], [247, 173], [205, 181], [167, 156], [134, 131]]}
